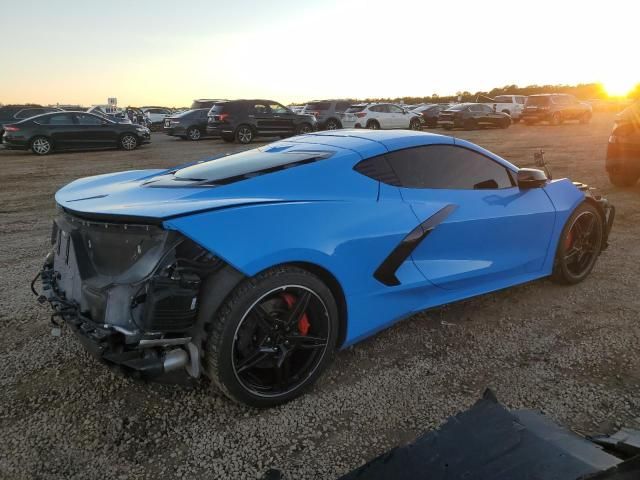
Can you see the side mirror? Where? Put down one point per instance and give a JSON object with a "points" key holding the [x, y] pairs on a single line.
{"points": [[531, 178]]}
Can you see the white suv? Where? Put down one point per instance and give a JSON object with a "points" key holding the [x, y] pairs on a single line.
{"points": [[376, 116], [156, 115]]}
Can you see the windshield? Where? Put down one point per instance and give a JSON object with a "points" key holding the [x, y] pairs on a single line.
{"points": [[249, 163], [536, 101]]}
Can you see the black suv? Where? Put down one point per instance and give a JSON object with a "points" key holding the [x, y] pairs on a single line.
{"points": [[555, 108], [328, 112], [189, 125], [623, 150], [243, 120]]}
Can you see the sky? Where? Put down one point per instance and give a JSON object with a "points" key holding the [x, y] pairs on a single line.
{"points": [[169, 52]]}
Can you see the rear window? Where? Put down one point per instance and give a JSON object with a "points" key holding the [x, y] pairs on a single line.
{"points": [[318, 106], [238, 166], [355, 108], [226, 107], [537, 101]]}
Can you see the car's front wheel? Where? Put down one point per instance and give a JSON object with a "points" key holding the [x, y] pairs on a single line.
{"points": [[415, 124], [41, 146], [304, 129], [128, 141], [273, 337], [579, 245], [332, 124]]}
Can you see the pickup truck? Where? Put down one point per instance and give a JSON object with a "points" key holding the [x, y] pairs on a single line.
{"points": [[512, 105]]}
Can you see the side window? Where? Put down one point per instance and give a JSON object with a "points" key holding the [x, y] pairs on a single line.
{"points": [[486, 109], [375, 109], [440, 167], [85, 119], [520, 100], [277, 108], [342, 106], [259, 109], [394, 109], [60, 119]]}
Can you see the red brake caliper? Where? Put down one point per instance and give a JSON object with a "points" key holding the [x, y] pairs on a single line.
{"points": [[303, 324]]}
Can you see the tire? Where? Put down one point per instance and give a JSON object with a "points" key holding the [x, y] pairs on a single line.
{"points": [[415, 124], [623, 179], [507, 112], [248, 336], [228, 139], [304, 128], [470, 124], [244, 134], [41, 145], [128, 141], [505, 123], [332, 124], [579, 245], [373, 125], [585, 118], [556, 119], [194, 134]]}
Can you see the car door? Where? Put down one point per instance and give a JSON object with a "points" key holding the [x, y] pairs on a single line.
{"points": [[61, 128], [399, 117], [385, 116], [94, 131], [490, 116], [284, 120], [480, 228], [262, 118]]}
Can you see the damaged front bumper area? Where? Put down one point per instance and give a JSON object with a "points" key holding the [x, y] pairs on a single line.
{"points": [[129, 291], [605, 207]]}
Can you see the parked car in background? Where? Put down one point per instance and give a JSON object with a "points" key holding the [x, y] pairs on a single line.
{"points": [[512, 105], [471, 116], [156, 115], [244, 120], [328, 112], [14, 113], [430, 113], [189, 125], [296, 108], [112, 113], [50, 132], [384, 116], [623, 149], [555, 108]]}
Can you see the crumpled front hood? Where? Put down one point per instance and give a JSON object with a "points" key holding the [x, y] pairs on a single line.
{"points": [[122, 194]]}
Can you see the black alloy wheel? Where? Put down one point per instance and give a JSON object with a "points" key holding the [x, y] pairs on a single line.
{"points": [[41, 146], [415, 124], [580, 245], [273, 337], [128, 141], [332, 124]]}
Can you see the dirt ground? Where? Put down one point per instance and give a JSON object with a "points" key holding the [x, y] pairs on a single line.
{"points": [[569, 351]]}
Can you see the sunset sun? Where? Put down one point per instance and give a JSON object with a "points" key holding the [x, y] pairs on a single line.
{"points": [[619, 87]]}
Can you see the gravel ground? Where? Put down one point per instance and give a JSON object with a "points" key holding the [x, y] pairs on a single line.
{"points": [[569, 351]]}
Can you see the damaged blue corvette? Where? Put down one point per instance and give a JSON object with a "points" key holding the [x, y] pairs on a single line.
{"points": [[253, 268]]}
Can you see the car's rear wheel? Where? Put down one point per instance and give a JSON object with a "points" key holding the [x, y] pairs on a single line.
{"points": [[585, 118], [580, 245], [621, 178], [128, 141], [41, 146], [415, 124], [556, 119], [332, 124], [194, 134], [373, 125], [244, 134], [304, 128], [273, 337]]}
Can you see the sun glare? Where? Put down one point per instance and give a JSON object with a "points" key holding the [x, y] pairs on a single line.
{"points": [[619, 87]]}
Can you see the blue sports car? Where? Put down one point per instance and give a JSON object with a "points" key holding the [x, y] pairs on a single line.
{"points": [[254, 267]]}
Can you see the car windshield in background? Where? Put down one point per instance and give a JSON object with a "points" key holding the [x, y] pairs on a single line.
{"points": [[318, 106], [536, 101], [247, 164], [355, 108]]}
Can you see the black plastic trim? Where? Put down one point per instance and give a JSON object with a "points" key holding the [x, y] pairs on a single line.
{"points": [[386, 272]]}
